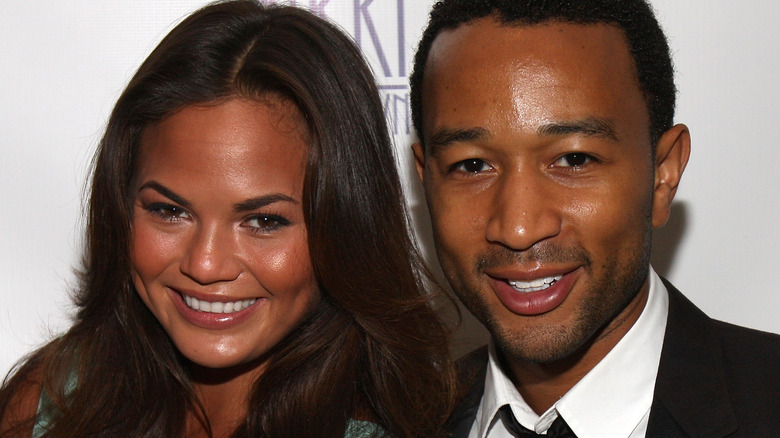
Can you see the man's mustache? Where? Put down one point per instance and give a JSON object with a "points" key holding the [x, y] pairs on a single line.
{"points": [[542, 253]]}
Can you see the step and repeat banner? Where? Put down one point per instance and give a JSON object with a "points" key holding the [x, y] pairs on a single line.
{"points": [[65, 63]]}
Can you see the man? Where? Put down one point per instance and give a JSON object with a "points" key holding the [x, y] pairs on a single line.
{"points": [[548, 154]]}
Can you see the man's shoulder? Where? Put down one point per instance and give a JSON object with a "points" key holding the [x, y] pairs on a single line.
{"points": [[471, 385], [742, 350], [472, 363], [471, 377], [751, 360], [748, 341], [733, 339], [732, 370]]}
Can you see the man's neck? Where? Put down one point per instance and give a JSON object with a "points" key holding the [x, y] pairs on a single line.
{"points": [[543, 384]]}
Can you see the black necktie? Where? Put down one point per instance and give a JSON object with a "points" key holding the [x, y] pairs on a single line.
{"points": [[559, 428]]}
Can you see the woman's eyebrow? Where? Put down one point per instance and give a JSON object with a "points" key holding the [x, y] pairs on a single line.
{"points": [[262, 201], [248, 205], [165, 191]]}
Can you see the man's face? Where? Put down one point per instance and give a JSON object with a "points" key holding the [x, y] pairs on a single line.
{"points": [[539, 175]]}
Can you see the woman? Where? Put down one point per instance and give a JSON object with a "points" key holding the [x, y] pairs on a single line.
{"points": [[246, 170]]}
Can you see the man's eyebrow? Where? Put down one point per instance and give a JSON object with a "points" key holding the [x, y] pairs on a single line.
{"points": [[445, 137], [262, 201], [589, 127], [165, 191]]}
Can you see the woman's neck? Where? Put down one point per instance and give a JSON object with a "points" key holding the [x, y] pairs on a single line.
{"points": [[223, 394]]}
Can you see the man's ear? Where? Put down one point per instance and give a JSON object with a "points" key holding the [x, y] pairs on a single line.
{"points": [[671, 157], [419, 160]]}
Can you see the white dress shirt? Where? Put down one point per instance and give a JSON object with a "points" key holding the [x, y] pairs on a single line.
{"points": [[612, 400]]}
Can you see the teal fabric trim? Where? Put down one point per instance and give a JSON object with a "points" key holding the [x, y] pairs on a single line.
{"points": [[47, 412], [364, 429], [44, 415], [355, 428], [46, 409]]}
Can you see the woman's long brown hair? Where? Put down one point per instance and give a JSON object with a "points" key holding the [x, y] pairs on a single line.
{"points": [[374, 347]]}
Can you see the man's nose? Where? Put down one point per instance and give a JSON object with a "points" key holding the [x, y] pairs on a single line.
{"points": [[524, 210]]}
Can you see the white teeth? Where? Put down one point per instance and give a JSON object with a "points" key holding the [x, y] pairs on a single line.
{"points": [[217, 306], [534, 285]]}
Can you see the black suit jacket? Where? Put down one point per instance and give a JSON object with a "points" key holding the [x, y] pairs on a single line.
{"points": [[714, 379]]}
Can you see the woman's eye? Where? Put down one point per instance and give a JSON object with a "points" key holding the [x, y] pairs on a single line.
{"points": [[472, 165], [575, 159], [167, 212], [265, 222]]}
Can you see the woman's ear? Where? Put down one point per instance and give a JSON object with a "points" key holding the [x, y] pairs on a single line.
{"points": [[671, 157]]}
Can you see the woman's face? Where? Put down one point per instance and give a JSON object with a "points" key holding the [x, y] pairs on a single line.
{"points": [[219, 249]]}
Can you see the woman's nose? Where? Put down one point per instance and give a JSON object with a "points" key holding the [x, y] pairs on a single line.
{"points": [[211, 256]]}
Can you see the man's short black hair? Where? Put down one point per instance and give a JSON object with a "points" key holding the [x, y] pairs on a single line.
{"points": [[647, 42]]}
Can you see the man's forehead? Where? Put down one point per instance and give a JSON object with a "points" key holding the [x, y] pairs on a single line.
{"points": [[481, 38], [528, 71]]}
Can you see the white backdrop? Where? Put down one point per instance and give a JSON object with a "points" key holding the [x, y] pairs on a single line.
{"points": [[65, 63]]}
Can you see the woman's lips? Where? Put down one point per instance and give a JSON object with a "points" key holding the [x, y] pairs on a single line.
{"points": [[535, 297], [216, 306], [213, 315]]}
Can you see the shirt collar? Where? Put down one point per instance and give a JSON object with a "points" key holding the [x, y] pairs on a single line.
{"points": [[611, 400]]}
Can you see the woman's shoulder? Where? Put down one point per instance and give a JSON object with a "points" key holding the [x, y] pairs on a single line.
{"points": [[24, 391], [19, 398]]}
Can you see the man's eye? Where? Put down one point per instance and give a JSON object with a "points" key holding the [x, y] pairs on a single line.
{"points": [[472, 165], [576, 159]]}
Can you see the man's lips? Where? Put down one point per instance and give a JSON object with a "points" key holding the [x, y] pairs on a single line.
{"points": [[533, 296], [534, 285]]}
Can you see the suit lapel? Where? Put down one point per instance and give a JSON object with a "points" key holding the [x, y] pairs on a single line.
{"points": [[690, 393]]}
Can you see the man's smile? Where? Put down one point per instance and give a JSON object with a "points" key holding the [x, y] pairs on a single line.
{"points": [[534, 285]]}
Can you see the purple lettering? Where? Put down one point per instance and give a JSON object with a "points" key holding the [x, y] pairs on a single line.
{"points": [[318, 7], [401, 40], [393, 104], [361, 11]]}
